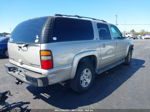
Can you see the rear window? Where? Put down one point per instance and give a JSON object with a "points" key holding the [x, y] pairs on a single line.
{"points": [[103, 31], [29, 31], [69, 29]]}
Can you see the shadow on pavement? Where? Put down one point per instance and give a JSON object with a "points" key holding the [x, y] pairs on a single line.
{"points": [[18, 106], [105, 84], [5, 106]]}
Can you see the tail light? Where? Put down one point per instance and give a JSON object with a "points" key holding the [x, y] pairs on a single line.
{"points": [[46, 59]]}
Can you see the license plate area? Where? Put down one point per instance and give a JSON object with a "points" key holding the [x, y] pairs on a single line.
{"points": [[20, 72], [16, 70]]}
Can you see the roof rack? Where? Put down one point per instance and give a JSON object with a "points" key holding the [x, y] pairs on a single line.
{"points": [[77, 16]]}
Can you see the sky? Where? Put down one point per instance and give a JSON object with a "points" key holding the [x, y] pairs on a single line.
{"points": [[132, 14]]}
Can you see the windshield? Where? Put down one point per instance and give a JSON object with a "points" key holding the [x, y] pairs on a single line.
{"points": [[29, 31]]}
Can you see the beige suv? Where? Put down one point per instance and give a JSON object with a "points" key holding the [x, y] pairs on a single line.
{"points": [[54, 49]]}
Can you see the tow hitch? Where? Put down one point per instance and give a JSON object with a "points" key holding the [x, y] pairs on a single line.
{"points": [[19, 82]]}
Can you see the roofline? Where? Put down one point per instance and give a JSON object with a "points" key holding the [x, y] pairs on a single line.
{"points": [[79, 17]]}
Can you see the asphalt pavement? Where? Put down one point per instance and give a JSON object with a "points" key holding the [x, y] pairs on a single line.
{"points": [[123, 87]]}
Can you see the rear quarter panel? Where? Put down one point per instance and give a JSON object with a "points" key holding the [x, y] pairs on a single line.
{"points": [[64, 52]]}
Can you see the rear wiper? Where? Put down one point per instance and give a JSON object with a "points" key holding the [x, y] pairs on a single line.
{"points": [[25, 45]]}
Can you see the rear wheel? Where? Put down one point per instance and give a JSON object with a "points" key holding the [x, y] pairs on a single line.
{"points": [[84, 77]]}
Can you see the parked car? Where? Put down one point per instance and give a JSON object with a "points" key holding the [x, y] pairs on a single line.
{"points": [[1, 35], [3, 46], [48, 50], [128, 35], [133, 36], [139, 37], [147, 36]]}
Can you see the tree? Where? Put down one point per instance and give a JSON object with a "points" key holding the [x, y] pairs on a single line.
{"points": [[133, 31], [142, 32]]}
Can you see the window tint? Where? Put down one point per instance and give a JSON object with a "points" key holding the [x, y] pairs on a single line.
{"points": [[104, 32], [28, 31], [115, 32], [68, 29]]}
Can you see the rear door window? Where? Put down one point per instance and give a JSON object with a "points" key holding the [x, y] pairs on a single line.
{"points": [[69, 29], [29, 31], [103, 30]]}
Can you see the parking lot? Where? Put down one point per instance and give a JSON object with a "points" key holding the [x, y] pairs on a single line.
{"points": [[124, 87]]}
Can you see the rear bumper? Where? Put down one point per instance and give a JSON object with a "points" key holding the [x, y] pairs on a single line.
{"points": [[24, 75]]}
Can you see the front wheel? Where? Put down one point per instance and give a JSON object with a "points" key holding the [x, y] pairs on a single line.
{"points": [[128, 58], [84, 77]]}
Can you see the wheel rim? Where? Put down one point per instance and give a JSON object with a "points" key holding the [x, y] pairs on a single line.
{"points": [[86, 77]]}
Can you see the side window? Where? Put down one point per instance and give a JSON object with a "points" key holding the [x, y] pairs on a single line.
{"points": [[69, 29], [115, 32], [104, 33]]}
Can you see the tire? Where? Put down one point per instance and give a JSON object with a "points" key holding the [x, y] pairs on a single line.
{"points": [[128, 58], [84, 77]]}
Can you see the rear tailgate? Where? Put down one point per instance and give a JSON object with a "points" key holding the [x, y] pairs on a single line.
{"points": [[25, 55], [25, 41]]}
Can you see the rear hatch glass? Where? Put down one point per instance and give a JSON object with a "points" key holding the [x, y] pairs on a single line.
{"points": [[29, 31], [24, 45]]}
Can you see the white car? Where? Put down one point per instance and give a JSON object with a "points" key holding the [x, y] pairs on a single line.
{"points": [[129, 35], [147, 36]]}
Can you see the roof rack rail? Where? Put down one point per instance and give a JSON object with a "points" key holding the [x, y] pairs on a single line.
{"points": [[77, 16]]}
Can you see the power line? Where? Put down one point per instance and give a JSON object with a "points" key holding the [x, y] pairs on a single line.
{"points": [[133, 24]]}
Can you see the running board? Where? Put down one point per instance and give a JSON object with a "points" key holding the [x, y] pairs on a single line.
{"points": [[109, 67]]}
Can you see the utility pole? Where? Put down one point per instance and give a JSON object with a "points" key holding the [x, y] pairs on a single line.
{"points": [[10, 29], [116, 19]]}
